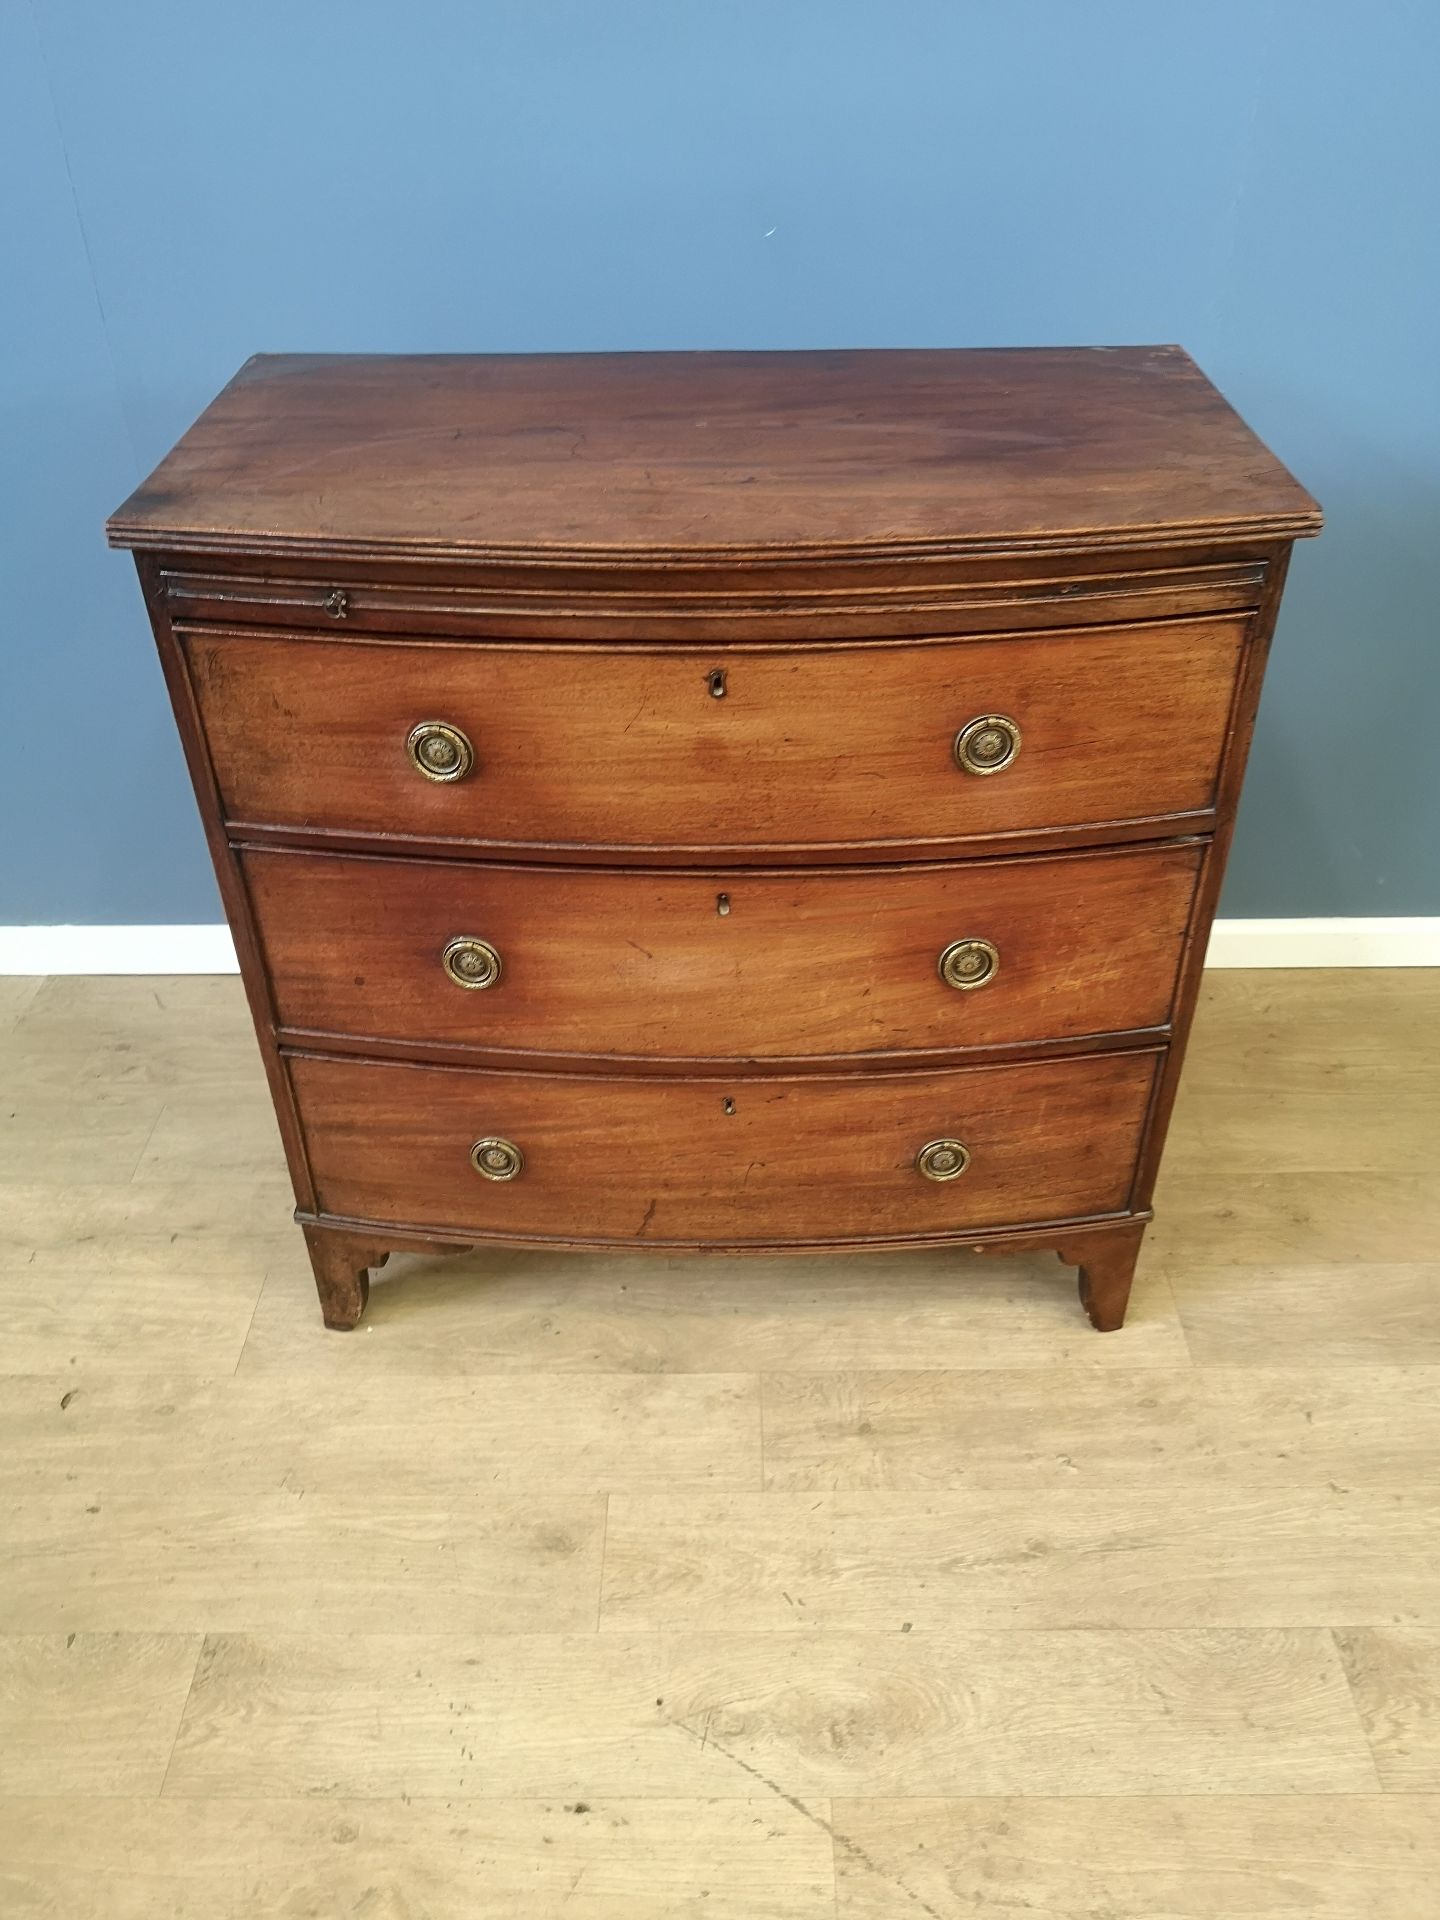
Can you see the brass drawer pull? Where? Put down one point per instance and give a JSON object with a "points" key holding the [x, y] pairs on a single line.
{"points": [[966, 964], [471, 963], [440, 751], [337, 603], [943, 1159], [497, 1159], [987, 744]]}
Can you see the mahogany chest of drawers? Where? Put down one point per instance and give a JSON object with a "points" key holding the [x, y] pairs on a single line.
{"points": [[719, 802]]}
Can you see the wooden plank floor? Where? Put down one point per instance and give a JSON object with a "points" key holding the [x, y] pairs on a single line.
{"points": [[638, 1587]]}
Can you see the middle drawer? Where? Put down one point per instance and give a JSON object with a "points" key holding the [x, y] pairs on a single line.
{"points": [[685, 966]]}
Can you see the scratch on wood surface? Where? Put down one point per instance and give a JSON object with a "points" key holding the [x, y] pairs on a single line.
{"points": [[851, 1848]]}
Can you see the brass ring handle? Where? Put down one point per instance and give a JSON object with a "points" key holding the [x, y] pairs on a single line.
{"points": [[497, 1159], [440, 751], [943, 1159], [987, 744], [967, 964], [471, 963]]}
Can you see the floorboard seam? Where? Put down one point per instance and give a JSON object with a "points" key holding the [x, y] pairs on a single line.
{"points": [[600, 1583], [1344, 1666], [250, 1324], [145, 1148], [180, 1717]]}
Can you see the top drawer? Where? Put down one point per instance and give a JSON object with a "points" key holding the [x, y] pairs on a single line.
{"points": [[725, 751]]}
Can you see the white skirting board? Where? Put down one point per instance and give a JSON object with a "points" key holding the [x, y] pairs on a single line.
{"points": [[1233, 943], [117, 950], [1378, 942]]}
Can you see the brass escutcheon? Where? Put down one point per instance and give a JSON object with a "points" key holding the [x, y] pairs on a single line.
{"points": [[440, 751], [966, 964], [470, 962], [497, 1159], [943, 1159], [987, 744]]}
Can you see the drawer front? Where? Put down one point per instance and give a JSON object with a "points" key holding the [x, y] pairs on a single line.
{"points": [[651, 750], [823, 1160], [706, 966]]}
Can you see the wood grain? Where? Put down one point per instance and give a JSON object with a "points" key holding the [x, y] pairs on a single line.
{"points": [[93, 1555], [16, 993], [1394, 1673], [526, 1859], [1081, 1557], [556, 454], [173, 1224], [619, 1313], [258, 1434], [843, 747], [1196, 1858], [722, 1713], [1251, 1427], [866, 598], [1342, 1128], [208, 1136], [119, 1036], [1320, 1031], [167, 1506], [125, 1313], [718, 966], [90, 1713], [1223, 1488], [1292, 1218], [96, 1138], [820, 1159], [1318, 1316]]}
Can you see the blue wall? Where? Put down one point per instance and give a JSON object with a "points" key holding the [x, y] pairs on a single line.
{"points": [[187, 184]]}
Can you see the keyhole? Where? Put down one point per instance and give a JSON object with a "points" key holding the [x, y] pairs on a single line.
{"points": [[716, 683], [729, 1104], [722, 904]]}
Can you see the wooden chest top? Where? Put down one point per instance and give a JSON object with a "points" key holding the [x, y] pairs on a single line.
{"points": [[687, 455]]}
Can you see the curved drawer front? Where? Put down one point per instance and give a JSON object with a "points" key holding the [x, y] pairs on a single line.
{"points": [[707, 966], [724, 752], [823, 1160]]}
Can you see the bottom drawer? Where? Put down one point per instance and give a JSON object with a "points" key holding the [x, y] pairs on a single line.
{"points": [[797, 1160]]}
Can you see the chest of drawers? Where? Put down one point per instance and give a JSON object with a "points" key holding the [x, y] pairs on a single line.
{"points": [[719, 802]]}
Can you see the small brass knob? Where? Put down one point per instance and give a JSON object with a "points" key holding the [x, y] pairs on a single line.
{"points": [[440, 751], [471, 963], [497, 1159], [966, 964], [337, 603], [987, 744], [943, 1159]]}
